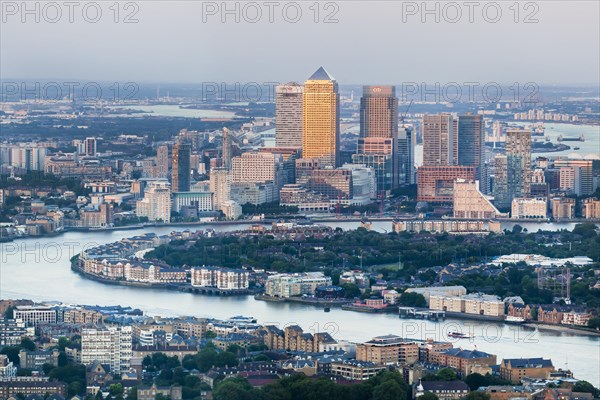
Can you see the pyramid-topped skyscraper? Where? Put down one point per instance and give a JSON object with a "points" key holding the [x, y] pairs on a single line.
{"points": [[321, 119]]}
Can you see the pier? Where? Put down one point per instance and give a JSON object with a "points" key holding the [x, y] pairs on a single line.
{"points": [[421, 313]]}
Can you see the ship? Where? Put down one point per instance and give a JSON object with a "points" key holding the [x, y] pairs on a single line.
{"points": [[514, 320], [459, 335], [562, 138]]}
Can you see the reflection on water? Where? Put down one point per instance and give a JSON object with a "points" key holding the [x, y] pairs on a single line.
{"points": [[39, 269]]}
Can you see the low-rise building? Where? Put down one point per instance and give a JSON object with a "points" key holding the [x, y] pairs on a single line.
{"points": [[474, 303], [529, 208], [35, 360], [462, 360], [388, 350], [591, 208], [515, 369], [563, 208], [289, 285], [444, 390], [355, 370], [219, 277]]}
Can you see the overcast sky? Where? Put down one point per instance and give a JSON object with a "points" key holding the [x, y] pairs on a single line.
{"points": [[369, 44]]}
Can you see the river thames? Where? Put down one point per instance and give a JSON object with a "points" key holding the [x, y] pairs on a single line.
{"points": [[39, 269]]}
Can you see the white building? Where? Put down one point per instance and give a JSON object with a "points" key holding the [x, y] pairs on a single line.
{"points": [[221, 278], [288, 285], [220, 186], [112, 346], [525, 208], [35, 315], [202, 201], [156, 204], [231, 209], [7, 369]]}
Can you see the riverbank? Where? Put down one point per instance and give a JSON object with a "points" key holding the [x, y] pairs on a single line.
{"points": [[169, 286], [563, 329]]}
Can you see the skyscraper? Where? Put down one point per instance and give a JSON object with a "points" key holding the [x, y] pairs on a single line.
{"points": [[377, 145], [321, 119], [406, 156], [181, 168], [162, 161], [471, 142], [438, 140], [288, 115], [512, 172]]}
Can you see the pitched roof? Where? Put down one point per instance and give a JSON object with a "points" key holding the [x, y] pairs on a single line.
{"points": [[537, 362], [321, 75], [433, 386]]}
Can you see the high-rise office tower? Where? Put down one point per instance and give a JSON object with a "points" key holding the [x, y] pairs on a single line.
{"points": [[321, 119], [288, 115], [181, 168], [406, 156], [220, 186], [90, 146], [227, 149], [512, 172], [377, 145], [156, 204], [438, 140], [471, 142], [162, 160]]}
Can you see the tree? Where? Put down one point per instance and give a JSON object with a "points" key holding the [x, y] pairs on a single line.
{"points": [[233, 389], [115, 389], [9, 313], [62, 359], [411, 299], [446, 374], [27, 344], [586, 387], [476, 395], [427, 396], [12, 352], [594, 323], [210, 335], [389, 390], [475, 381]]}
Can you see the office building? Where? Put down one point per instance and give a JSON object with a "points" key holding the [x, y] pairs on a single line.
{"points": [[377, 145], [260, 167], [576, 176], [406, 156], [439, 140], [512, 172], [35, 315], [288, 115], [436, 183], [336, 184], [162, 161], [220, 186], [181, 169], [321, 119], [201, 201], [111, 345], [471, 142]]}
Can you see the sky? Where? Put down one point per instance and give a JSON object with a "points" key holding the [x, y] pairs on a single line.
{"points": [[359, 42]]}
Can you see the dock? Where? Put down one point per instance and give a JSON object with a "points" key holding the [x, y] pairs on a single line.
{"points": [[421, 313]]}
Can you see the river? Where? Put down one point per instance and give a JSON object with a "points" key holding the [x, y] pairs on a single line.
{"points": [[39, 269]]}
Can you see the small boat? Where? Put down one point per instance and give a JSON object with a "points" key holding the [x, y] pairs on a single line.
{"points": [[459, 335], [576, 148], [514, 320], [327, 309]]}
